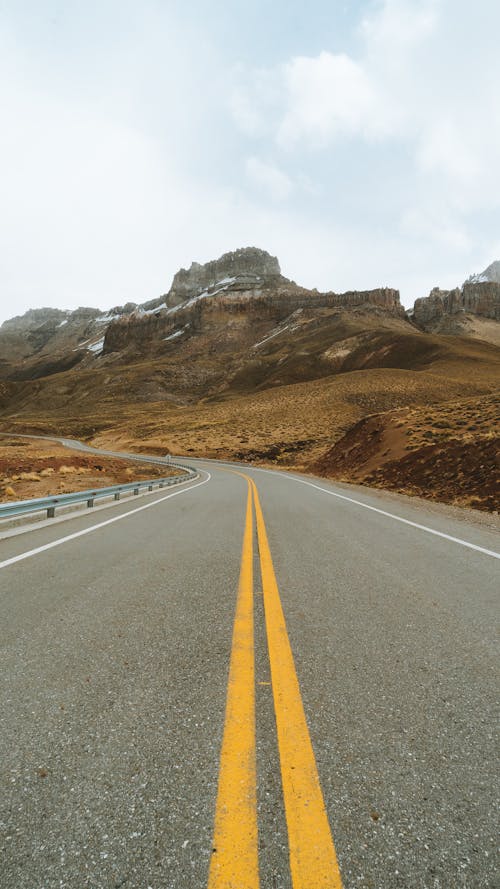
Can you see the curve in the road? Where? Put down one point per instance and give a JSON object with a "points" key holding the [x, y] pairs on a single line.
{"points": [[237, 855]]}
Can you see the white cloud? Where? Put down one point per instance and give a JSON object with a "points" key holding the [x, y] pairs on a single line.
{"points": [[446, 149], [245, 112], [435, 223], [399, 25], [324, 97], [276, 183], [136, 140], [420, 94], [77, 191], [313, 101], [96, 207], [412, 83]]}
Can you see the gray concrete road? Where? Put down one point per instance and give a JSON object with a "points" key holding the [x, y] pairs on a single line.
{"points": [[114, 655]]}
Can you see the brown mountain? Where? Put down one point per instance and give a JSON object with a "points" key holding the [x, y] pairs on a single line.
{"points": [[238, 361], [471, 310]]}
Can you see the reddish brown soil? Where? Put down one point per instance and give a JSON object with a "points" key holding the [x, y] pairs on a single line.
{"points": [[40, 469], [448, 452], [451, 472], [367, 445]]}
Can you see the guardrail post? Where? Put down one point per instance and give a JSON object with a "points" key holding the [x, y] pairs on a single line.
{"points": [[50, 504]]}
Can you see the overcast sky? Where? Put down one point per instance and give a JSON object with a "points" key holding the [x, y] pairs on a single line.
{"points": [[358, 141]]}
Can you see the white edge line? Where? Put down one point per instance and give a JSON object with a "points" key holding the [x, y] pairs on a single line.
{"points": [[46, 546], [390, 515]]}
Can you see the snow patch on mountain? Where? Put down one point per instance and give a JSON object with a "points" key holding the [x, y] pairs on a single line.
{"points": [[492, 273]]}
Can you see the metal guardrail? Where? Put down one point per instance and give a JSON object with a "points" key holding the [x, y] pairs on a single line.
{"points": [[23, 507]]}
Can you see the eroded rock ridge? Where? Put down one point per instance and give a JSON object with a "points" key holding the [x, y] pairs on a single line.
{"points": [[473, 298], [245, 267]]}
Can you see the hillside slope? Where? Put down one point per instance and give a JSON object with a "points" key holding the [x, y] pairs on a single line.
{"points": [[251, 366]]}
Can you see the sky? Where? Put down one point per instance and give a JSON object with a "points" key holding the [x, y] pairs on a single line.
{"points": [[357, 141]]}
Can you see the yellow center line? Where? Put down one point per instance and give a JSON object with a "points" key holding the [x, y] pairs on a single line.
{"points": [[234, 862], [313, 862]]}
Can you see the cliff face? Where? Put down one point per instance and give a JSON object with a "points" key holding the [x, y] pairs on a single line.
{"points": [[224, 306], [46, 341], [481, 299], [429, 309], [235, 306], [247, 282], [247, 266]]}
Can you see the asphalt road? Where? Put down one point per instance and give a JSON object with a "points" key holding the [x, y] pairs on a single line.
{"points": [[354, 743]]}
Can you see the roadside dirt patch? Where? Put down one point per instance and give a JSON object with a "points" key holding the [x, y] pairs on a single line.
{"points": [[40, 469], [281, 450], [447, 452], [370, 443], [453, 472]]}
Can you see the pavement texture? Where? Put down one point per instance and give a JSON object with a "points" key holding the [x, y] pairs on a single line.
{"points": [[114, 655]]}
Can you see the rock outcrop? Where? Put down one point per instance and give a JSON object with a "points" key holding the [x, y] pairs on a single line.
{"points": [[34, 318], [245, 282], [46, 341], [481, 299], [211, 310], [245, 267], [240, 292]]}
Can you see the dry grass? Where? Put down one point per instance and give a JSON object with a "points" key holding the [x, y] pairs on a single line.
{"points": [[304, 418], [54, 470], [287, 404], [448, 452]]}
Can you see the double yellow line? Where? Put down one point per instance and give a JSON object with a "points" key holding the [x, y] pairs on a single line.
{"points": [[234, 863]]}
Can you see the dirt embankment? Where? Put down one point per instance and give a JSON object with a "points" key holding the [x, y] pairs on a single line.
{"points": [[41, 469], [453, 472], [446, 452]]}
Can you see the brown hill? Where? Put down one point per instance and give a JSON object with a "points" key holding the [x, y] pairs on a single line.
{"points": [[223, 360], [447, 451], [287, 424], [254, 367]]}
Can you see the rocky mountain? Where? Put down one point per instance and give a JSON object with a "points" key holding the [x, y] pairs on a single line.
{"points": [[246, 268], [240, 296], [472, 309], [238, 362], [240, 291], [234, 321], [492, 273], [45, 341], [35, 318]]}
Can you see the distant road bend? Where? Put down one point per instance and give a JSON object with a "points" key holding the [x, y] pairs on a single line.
{"points": [[255, 680]]}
